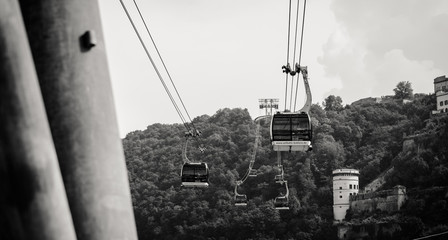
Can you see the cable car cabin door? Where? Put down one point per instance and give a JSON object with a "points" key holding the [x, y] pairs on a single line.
{"points": [[291, 132]]}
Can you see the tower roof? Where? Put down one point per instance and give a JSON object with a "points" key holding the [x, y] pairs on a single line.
{"points": [[440, 79], [345, 170]]}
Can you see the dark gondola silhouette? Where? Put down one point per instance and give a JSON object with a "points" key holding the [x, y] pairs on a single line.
{"points": [[193, 174]]}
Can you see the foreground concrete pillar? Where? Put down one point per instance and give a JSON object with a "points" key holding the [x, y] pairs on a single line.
{"points": [[33, 204], [69, 53]]}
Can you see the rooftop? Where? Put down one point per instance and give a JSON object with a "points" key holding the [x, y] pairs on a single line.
{"points": [[346, 170], [440, 79]]}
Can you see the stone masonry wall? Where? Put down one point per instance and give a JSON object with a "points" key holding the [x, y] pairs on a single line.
{"points": [[387, 200]]}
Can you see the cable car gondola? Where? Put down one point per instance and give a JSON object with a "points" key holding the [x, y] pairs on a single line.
{"points": [[253, 173], [291, 131], [279, 178], [240, 200], [194, 175], [281, 203]]}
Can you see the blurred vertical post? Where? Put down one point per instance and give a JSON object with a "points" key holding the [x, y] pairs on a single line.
{"points": [[33, 204], [68, 49]]}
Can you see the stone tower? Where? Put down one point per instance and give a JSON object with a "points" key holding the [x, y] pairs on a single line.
{"points": [[345, 184]]}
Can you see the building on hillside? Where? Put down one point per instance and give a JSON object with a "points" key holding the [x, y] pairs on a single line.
{"points": [[367, 100], [382, 99], [441, 91], [442, 101], [345, 184], [441, 84]]}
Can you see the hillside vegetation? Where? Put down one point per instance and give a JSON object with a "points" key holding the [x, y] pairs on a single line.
{"points": [[367, 136]]}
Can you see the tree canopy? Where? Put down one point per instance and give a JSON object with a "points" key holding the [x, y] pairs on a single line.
{"points": [[404, 90], [333, 103], [367, 136]]}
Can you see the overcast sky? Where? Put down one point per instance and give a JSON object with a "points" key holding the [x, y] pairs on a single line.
{"points": [[229, 53]]}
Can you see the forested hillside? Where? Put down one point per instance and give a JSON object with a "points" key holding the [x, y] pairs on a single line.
{"points": [[366, 136]]}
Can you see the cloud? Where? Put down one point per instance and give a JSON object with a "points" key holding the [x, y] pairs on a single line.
{"points": [[378, 43]]}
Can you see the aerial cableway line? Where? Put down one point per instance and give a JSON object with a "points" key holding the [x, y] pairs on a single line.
{"points": [[291, 129], [241, 199], [193, 174], [186, 119]]}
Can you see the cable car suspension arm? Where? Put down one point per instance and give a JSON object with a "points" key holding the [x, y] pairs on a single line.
{"points": [[254, 152], [188, 135], [307, 106]]}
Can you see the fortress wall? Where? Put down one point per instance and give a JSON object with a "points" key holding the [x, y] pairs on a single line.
{"points": [[388, 200]]}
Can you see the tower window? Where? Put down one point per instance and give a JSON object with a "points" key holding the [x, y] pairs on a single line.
{"points": [[350, 186], [441, 103], [340, 196], [340, 187]]}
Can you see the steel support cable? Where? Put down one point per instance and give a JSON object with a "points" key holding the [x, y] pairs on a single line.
{"points": [[184, 155], [154, 66], [279, 158], [254, 153], [287, 52], [163, 62], [300, 52], [431, 236], [286, 90], [290, 95], [289, 32], [195, 132], [303, 27], [294, 52], [294, 57], [295, 35], [280, 164]]}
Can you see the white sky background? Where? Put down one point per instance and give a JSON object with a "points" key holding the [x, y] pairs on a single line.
{"points": [[229, 53]]}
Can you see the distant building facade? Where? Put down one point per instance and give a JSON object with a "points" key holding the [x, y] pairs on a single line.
{"points": [[345, 184], [441, 84], [442, 102], [441, 91]]}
